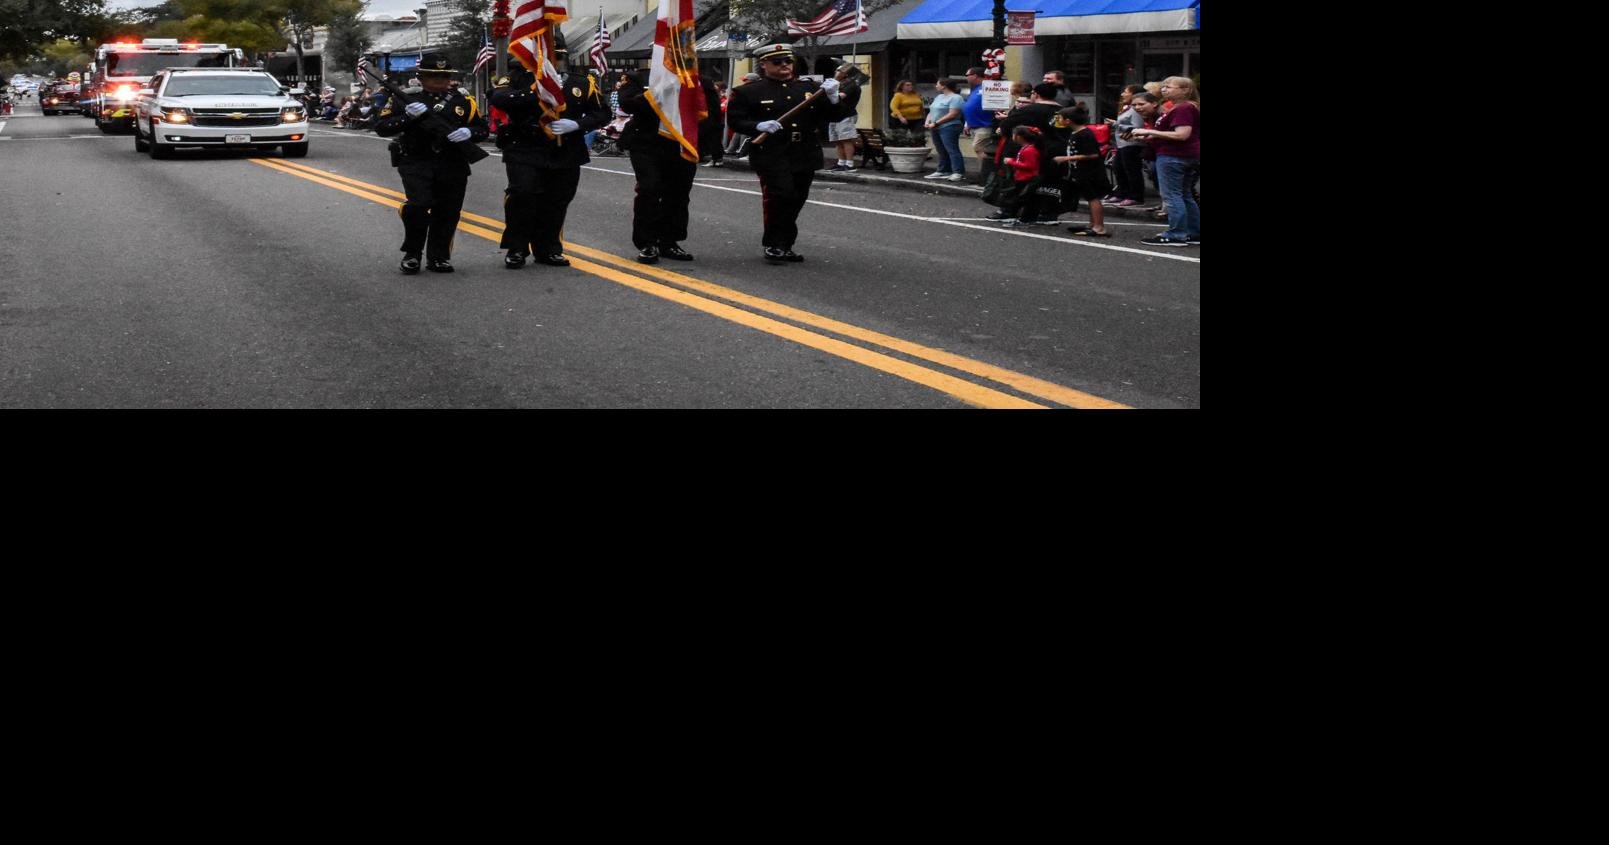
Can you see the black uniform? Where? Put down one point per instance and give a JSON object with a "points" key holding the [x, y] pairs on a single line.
{"points": [[711, 128], [664, 177], [543, 172], [786, 161], [434, 172]]}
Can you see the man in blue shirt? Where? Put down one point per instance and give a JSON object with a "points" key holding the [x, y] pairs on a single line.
{"points": [[981, 124]]}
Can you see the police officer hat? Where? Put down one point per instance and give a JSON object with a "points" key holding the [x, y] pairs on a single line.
{"points": [[435, 63], [559, 50], [772, 51]]}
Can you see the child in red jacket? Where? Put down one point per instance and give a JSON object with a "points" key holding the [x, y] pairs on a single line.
{"points": [[1022, 200]]}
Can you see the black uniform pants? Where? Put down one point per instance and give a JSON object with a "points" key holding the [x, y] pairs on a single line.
{"points": [[534, 206], [435, 199], [782, 196], [664, 181], [709, 136]]}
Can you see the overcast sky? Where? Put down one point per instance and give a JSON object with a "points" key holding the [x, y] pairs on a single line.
{"points": [[376, 7]]}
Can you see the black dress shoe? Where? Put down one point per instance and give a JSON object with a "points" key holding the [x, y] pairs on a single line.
{"points": [[554, 260], [410, 264], [648, 255], [675, 251], [775, 256], [790, 255], [439, 265], [514, 260]]}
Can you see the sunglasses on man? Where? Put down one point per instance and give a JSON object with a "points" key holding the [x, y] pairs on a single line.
{"points": [[780, 61]]}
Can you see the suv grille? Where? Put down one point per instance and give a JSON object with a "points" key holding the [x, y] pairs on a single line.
{"points": [[226, 118]]}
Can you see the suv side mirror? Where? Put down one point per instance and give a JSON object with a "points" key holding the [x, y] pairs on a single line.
{"points": [[283, 90]]}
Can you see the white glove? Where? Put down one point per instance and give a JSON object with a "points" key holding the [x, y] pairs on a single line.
{"points": [[459, 134], [416, 109], [769, 127], [563, 125], [831, 87]]}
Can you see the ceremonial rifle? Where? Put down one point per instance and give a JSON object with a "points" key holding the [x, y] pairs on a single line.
{"points": [[760, 138], [431, 120]]}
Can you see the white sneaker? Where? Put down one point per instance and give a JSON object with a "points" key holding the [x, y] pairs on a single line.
{"points": [[936, 175], [956, 177]]}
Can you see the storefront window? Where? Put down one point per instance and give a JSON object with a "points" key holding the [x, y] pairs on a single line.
{"points": [[1078, 63], [1117, 69]]}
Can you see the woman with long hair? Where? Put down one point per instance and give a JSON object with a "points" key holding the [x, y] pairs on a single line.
{"points": [[1177, 141]]}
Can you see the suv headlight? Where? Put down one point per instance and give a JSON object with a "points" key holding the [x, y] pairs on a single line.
{"points": [[176, 115], [292, 115]]}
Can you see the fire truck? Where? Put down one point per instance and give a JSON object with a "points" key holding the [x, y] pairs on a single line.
{"points": [[123, 68]]}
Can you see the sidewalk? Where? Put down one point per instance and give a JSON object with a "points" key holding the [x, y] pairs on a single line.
{"points": [[917, 182]]}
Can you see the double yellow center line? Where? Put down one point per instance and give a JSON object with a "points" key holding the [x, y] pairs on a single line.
{"points": [[707, 297]]}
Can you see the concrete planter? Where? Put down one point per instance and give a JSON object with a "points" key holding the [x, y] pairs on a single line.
{"points": [[906, 159]]}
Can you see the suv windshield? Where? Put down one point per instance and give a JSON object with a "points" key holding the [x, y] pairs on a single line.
{"points": [[189, 84]]}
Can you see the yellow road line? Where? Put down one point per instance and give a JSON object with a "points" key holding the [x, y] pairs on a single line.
{"points": [[960, 388]]}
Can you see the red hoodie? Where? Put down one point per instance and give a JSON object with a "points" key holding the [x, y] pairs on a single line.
{"points": [[1026, 163]]}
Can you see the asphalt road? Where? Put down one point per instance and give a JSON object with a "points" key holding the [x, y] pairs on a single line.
{"points": [[223, 279]]}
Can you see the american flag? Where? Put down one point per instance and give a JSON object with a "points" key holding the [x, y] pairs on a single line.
{"points": [[843, 17], [601, 42], [531, 41], [486, 54]]}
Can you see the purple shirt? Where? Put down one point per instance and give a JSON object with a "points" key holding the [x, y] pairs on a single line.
{"points": [[1183, 114]]}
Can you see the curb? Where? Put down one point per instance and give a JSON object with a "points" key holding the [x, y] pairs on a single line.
{"points": [[958, 189]]}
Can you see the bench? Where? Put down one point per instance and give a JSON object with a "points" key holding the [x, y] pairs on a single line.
{"points": [[871, 149]]}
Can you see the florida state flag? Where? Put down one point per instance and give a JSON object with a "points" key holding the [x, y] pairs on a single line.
{"points": [[673, 87], [531, 41]]}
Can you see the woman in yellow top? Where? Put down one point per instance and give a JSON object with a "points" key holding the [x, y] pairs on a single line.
{"points": [[906, 129]]}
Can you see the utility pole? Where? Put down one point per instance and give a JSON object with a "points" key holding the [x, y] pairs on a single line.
{"points": [[999, 42], [500, 29]]}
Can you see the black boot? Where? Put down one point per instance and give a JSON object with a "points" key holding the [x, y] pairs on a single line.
{"points": [[410, 263]]}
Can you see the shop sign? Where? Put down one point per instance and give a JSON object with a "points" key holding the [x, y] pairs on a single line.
{"points": [[1019, 28], [1190, 43]]}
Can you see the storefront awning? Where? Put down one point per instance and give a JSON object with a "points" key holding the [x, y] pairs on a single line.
{"points": [[975, 18]]}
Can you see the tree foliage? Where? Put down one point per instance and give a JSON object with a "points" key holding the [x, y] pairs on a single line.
{"points": [[62, 57], [464, 32], [348, 39], [31, 25]]}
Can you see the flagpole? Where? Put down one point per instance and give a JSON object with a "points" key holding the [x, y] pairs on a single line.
{"points": [[854, 45]]}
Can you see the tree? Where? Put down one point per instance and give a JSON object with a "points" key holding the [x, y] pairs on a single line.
{"points": [[30, 25], [348, 39], [298, 19], [771, 17], [466, 31], [62, 57], [251, 26]]}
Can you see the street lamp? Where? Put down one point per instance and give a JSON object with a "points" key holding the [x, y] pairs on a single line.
{"points": [[999, 42]]}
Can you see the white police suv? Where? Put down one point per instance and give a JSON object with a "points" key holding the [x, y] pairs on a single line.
{"points": [[232, 108]]}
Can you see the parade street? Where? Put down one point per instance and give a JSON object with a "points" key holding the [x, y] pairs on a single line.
{"points": [[222, 279]]}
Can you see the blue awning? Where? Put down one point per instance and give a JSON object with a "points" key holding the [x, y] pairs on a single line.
{"points": [[975, 18]]}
